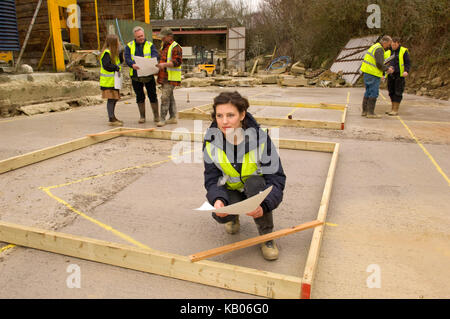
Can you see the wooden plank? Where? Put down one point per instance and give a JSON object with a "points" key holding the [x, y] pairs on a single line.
{"points": [[49, 152], [167, 135], [298, 123], [247, 280], [121, 132], [300, 145], [269, 121], [324, 106], [254, 67], [344, 117], [314, 249], [194, 116], [252, 241], [200, 110]]}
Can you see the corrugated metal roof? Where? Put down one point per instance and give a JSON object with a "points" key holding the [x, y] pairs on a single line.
{"points": [[350, 58], [9, 35], [197, 23]]}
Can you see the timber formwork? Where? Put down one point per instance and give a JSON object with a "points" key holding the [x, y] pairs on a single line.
{"points": [[232, 277]]}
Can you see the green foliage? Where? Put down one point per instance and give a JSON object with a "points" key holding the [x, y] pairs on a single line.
{"points": [[316, 30]]}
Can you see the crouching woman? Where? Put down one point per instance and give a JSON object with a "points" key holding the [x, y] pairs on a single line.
{"points": [[240, 161]]}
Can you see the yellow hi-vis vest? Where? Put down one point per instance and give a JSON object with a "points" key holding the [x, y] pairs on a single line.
{"points": [[107, 78], [233, 179], [147, 51], [174, 74], [369, 64], [401, 60]]}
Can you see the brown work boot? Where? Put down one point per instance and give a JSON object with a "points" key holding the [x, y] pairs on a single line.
{"points": [[155, 110], [161, 123], [269, 250], [395, 107], [141, 107], [115, 122], [172, 120], [392, 108], [233, 226]]}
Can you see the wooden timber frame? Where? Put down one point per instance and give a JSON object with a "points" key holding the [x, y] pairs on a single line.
{"points": [[204, 113], [232, 277]]}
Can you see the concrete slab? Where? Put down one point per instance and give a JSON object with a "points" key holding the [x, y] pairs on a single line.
{"points": [[388, 207]]}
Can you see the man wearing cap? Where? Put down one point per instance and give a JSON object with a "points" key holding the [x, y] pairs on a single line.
{"points": [[169, 75], [141, 47]]}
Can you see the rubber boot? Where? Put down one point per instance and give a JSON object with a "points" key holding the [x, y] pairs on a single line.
{"points": [[364, 106], [141, 107], [155, 110], [395, 107], [371, 108]]}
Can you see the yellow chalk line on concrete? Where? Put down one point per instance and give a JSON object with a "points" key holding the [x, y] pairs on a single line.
{"points": [[331, 224], [436, 165], [430, 157], [93, 220], [418, 121], [107, 174], [429, 122], [348, 98], [5, 248]]}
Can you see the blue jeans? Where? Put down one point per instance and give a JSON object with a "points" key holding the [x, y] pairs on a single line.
{"points": [[372, 84]]}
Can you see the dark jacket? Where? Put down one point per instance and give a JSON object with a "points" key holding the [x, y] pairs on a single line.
{"points": [[270, 164], [395, 62], [139, 52], [109, 66]]}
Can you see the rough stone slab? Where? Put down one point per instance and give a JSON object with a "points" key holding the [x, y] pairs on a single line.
{"points": [[44, 108]]}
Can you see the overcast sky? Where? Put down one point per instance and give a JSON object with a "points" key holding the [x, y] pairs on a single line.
{"points": [[253, 4]]}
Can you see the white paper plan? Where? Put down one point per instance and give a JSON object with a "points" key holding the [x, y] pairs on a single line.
{"points": [[146, 66], [117, 81], [243, 207]]}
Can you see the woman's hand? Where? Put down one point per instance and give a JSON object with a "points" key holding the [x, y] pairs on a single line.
{"points": [[219, 204], [257, 213]]}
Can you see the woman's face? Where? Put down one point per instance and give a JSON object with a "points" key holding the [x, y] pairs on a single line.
{"points": [[228, 117]]}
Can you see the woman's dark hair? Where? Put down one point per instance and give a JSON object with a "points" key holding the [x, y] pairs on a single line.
{"points": [[234, 98]]}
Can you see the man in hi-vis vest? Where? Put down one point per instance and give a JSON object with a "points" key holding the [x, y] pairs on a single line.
{"points": [[373, 68], [169, 75], [141, 47], [396, 81]]}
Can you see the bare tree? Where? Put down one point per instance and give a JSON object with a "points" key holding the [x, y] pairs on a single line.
{"points": [[158, 9], [181, 9]]}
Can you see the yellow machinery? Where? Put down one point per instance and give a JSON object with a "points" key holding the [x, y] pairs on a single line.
{"points": [[57, 22], [6, 57], [210, 69], [204, 60]]}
